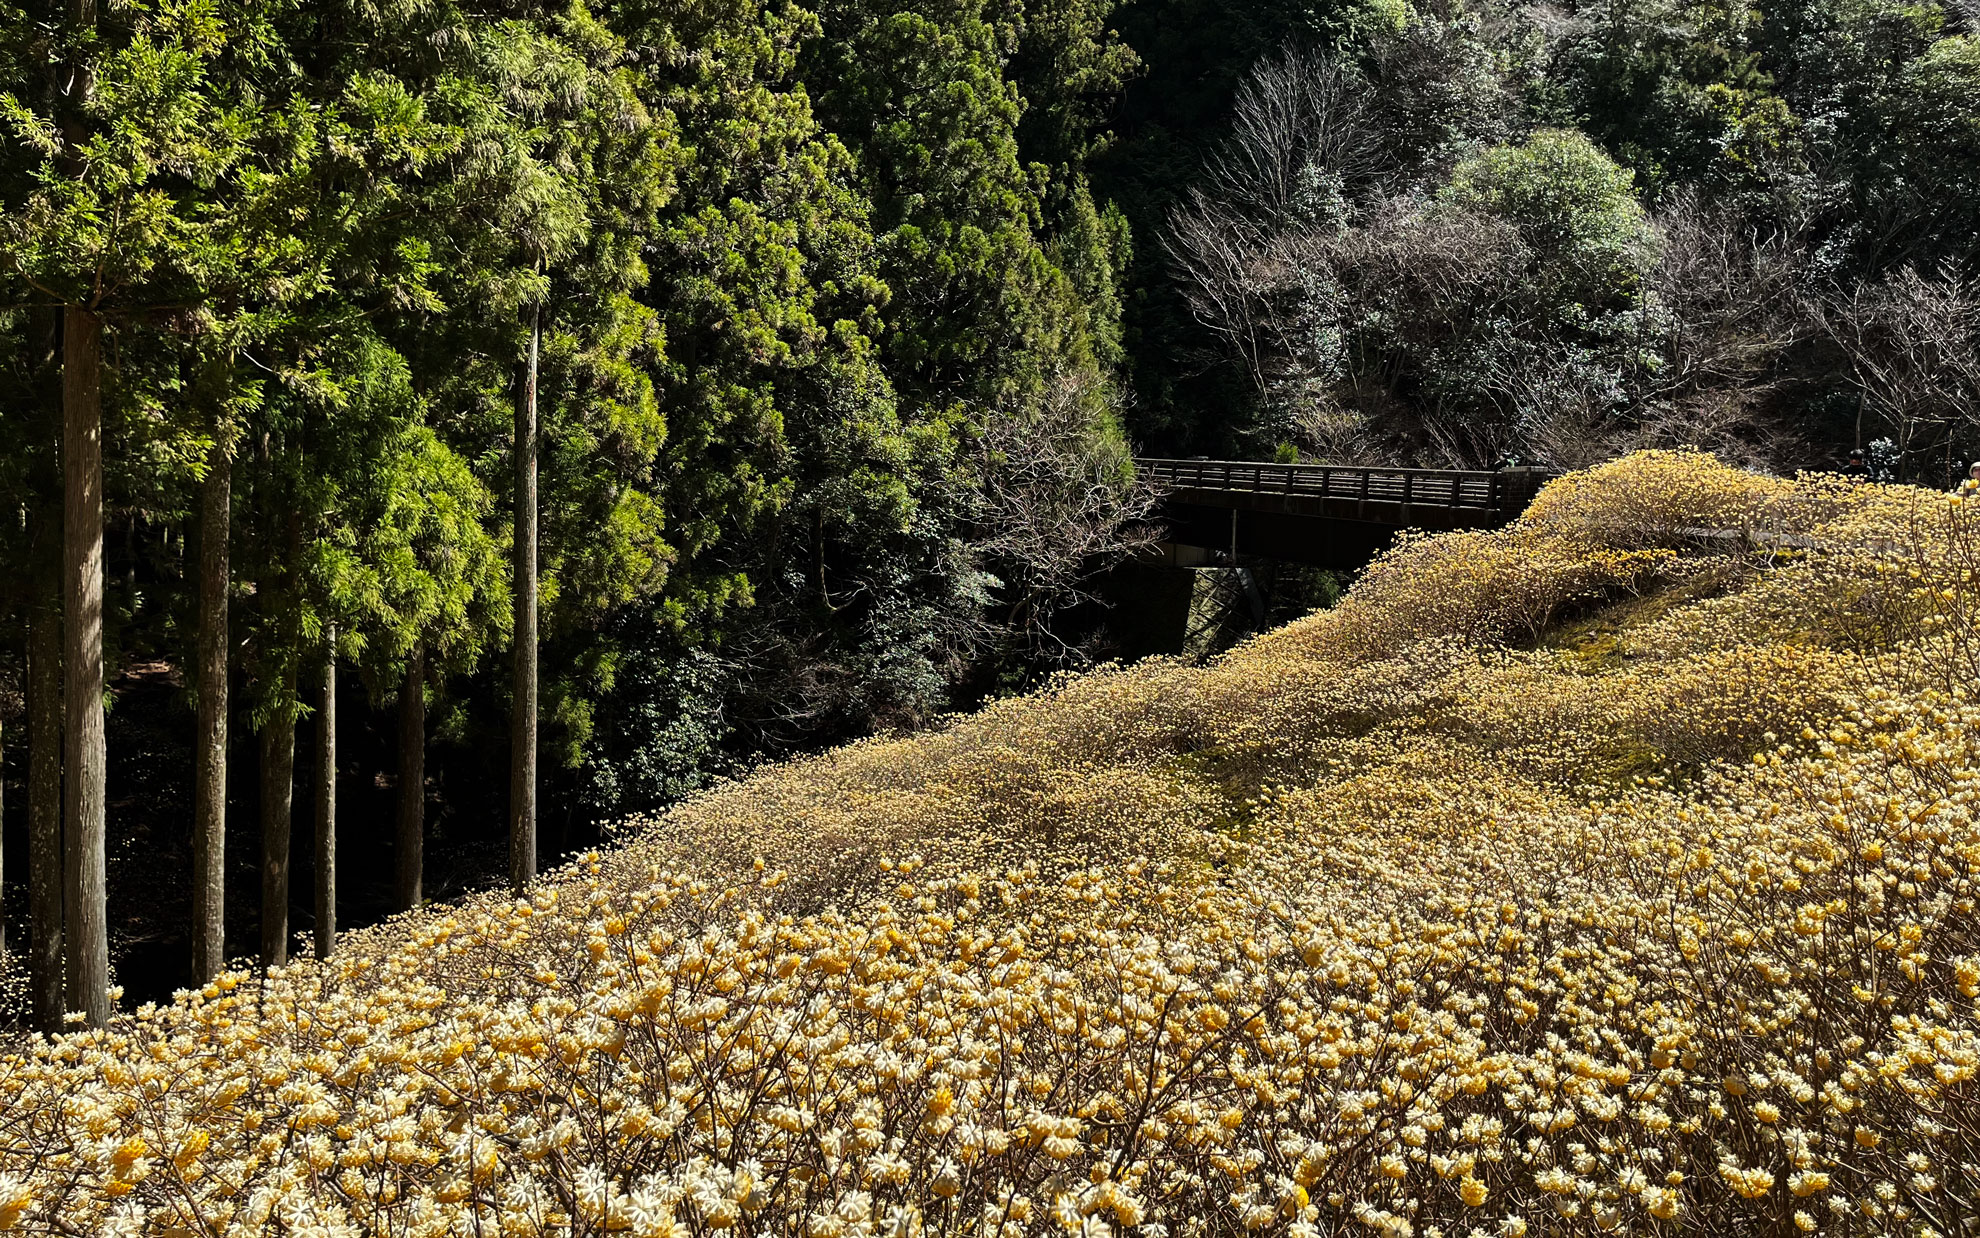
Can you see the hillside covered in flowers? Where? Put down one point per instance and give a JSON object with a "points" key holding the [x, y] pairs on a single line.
{"points": [[1613, 872]]}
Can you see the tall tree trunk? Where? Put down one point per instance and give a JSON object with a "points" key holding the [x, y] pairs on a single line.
{"points": [[522, 731], [45, 873], [46, 877], [278, 750], [210, 736], [3, 849], [408, 857], [84, 757], [278, 779], [326, 802]]}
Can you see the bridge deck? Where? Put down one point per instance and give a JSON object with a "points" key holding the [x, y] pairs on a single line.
{"points": [[1402, 498], [1333, 515], [1453, 488]]}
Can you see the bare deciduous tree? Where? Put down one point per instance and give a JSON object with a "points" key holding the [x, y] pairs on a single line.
{"points": [[1248, 242], [1227, 280], [1914, 348], [1730, 306], [1059, 504], [1565, 411], [1297, 114]]}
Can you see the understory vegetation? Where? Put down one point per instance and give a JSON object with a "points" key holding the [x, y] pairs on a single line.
{"points": [[1458, 233], [1613, 872]]}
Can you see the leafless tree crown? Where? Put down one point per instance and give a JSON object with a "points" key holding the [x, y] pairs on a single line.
{"points": [[1059, 502], [1913, 342]]}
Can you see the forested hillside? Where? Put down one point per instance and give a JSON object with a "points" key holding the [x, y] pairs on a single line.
{"points": [[498, 418], [1475, 232], [653, 379], [1587, 876]]}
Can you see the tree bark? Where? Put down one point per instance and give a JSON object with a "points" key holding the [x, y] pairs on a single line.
{"points": [[46, 875], [45, 871], [408, 856], [326, 802], [278, 778], [84, 757], [3, 849], [210, 735], [522, 732], [278, 748]]}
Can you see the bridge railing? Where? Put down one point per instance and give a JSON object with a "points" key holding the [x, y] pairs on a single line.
{"points": [[1452, 488]]}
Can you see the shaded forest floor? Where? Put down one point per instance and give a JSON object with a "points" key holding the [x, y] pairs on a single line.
{"points": [[149, 726]]}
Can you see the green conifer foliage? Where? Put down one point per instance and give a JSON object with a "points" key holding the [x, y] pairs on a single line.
{"points": [[929, 101]]}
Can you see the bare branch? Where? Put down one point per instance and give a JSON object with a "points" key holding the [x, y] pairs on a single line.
{"points": [[1913, 343], [1059, 504]]}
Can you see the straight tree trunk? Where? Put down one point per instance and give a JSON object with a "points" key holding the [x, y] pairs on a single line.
{"points": [[522, 733], [407, 854], [278, 756], [84, 757], [3, 851], [210, 735], [45, 871], [326, 802], [278, 780], [85, 929]]}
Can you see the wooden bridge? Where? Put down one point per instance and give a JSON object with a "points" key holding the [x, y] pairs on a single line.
{"points": [[1334, 516]]}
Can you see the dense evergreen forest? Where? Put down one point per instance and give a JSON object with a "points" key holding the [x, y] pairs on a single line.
{"points": [[575, 403]]}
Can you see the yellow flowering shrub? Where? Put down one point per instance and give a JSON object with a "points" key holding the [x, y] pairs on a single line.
{"points": [[1433, 914], [1656, 498]]}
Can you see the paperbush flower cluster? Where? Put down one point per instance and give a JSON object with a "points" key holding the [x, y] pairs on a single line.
{"points": [[1612, 875]]}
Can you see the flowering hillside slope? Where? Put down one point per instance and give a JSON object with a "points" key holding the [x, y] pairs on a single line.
{"points": [[1611, 872]]}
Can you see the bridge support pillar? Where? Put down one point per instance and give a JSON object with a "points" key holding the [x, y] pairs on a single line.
{"points": [[1225, 606], [1188, 605]]}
